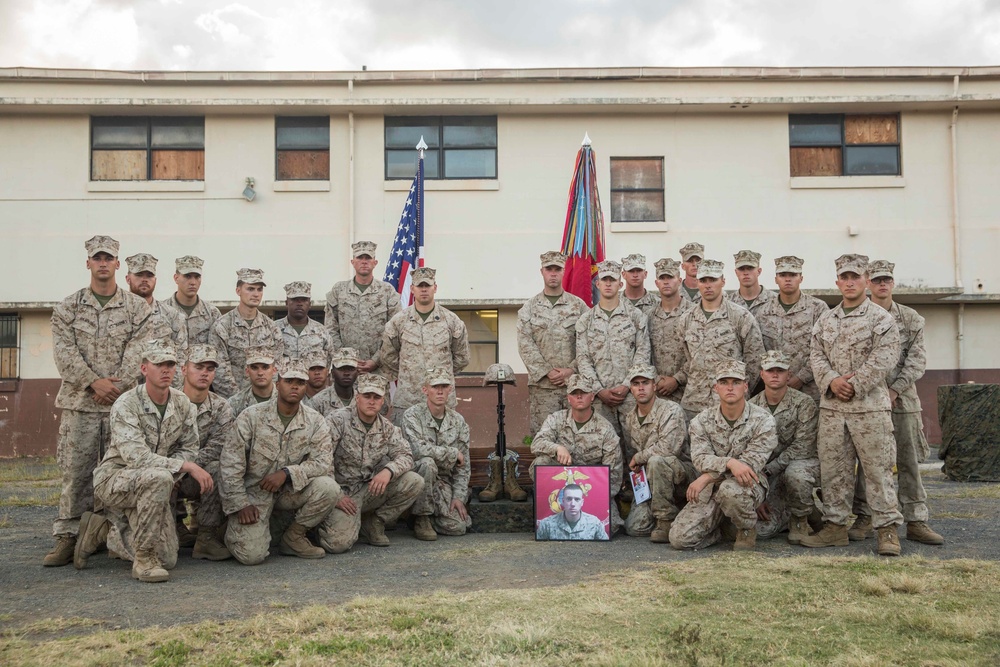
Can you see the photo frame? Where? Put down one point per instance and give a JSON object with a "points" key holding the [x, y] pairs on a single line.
{"points": [[589, 500]]}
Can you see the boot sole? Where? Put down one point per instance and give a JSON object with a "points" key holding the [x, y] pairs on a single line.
{"points": [[151, 580], [860, 538], [284, 551], [838, 543], [201, 556]]}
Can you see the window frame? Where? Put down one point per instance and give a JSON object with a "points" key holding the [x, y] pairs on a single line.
{"points": [[149, 122], [277, 150], [844, 146], [495, 343], [662, 189], [10, 323], [439, 149]]}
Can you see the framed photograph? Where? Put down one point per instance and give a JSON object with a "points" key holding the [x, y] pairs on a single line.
{"points": [[572, 503]]}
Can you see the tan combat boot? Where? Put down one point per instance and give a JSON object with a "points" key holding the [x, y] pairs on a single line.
{"points": [[493, 489], [208, 546], [798, 527], [832, 535], [295, 543], [62, 553], [185, 538], [661, 533], [93, 534], [511, 488], [423, 530], [919, 531], [861, 530], [373, 530], [746, 539], [888, 541], [147, 567]]}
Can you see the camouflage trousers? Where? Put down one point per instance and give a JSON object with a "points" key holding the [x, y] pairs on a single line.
{"points": [[615, 517], [846, 437], [435, 499], [697, 525], [542, 403], [790, 494], [668, 479], [617, 418], [208, 509], [249, 543], [84, 437], [340, 530], [911, 495], [137, 502]]}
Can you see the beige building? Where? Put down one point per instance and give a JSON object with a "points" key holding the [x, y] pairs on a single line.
{"points": [[896, 163]]}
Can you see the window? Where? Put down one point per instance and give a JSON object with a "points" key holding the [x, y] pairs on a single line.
{"points": [[457, 146], [147, 149], [8, 347], [302, 148], [484, 347], [637, 189], [840, 145]]}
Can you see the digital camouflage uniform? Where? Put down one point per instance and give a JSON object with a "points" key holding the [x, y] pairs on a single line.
{"points": [[546, 339], [791, 332], [666, 350], [232, 337], [751, 439], [168, 324], [261, 445], [435, 454], [865, 342], [89, 343], [356, 318], [646, 303], [411, 345], [793, 469], [555, 527], [245, 398], [765, 297], [327, 401], [594, 444], [136, 478], [730, 333], [661, 444], [215, 425], [199, 322], [314, 340], [358, 455]]}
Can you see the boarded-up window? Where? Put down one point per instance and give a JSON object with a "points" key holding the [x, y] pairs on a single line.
{"points": [[457, 146], [844, 145], [302, 148], [9, 347], [147, 149], [637, 189]]}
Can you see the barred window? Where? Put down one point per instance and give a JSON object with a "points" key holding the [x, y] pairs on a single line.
{"points": [[9, 346]]}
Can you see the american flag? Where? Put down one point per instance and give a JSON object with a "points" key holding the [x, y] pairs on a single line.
{"points": [[407, 248]]}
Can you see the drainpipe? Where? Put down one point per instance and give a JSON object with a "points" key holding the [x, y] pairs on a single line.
{"points": [[960, 340], [350, 181], [956, 231]]}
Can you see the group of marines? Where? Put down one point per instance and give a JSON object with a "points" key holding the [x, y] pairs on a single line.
{"points": [[279, 428]]}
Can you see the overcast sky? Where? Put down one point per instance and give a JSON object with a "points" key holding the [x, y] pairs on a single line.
{"points": [[453, 34]]}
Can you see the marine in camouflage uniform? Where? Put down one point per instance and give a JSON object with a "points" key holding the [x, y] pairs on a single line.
{"points": [[357, 310], [588, 439], [731, 460], [730, 332], [240, 329], [786, 323], [747, 265], [166, 323], [666, 351], [345, 375], [793, 469], [423, 336], [302, 337], [634, 276], [546, 341], [440, 449], [200, 315], [94, 346], [657, 430], [562, 526], [691, 256], [373, 464], [261, 387], [854, 347], [277, 461]]}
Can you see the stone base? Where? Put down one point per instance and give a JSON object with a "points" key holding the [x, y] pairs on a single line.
{"points": [[502, 516]]}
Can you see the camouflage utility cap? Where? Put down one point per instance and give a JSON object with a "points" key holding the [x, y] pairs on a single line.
{"points": [[499, 374], [731, 368], [363, 248], [189, 264], [314, 360], [747, 258], [788, 264], [609, 267], [692, 250], [251, 276], [425, 275], [667, 267], [437, 376], [553, 258], [345, 356], [709, 268], [852, 264], [577, 382], [369, 383], [293, 369], [298, 289], [260, 355], [141, 262], [881, 268], [101, 244], [774, 359], [634, 261], [202, 354], [641, 371], [158, 352]]}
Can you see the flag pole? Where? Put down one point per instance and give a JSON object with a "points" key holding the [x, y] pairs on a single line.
{"points": [[421, 147]]}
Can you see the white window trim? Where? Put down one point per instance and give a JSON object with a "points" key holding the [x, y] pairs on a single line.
{"points": [[845, 182], [648, 226], [302, 186], [145, 186], [482, 184]]}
